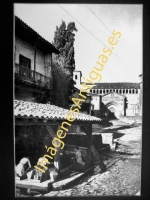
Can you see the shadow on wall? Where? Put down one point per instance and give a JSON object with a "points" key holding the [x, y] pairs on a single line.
{"points": [[104, 113]]}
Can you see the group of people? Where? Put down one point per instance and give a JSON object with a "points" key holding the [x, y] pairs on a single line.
{"points": [[24, 165], [78, 161]]}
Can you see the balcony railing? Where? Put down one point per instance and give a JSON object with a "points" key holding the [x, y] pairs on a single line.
{"points": [[30, 75]]}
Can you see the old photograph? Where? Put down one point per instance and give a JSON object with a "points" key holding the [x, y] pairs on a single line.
{"points": [[77, 99]]}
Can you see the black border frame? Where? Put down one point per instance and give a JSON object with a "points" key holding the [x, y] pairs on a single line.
{"points": [[7, 182]]}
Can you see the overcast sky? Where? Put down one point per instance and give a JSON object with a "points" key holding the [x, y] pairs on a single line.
{"points": [[124, 65]]}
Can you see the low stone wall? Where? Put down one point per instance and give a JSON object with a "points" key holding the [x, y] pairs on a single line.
{"points": [[107, 138]]}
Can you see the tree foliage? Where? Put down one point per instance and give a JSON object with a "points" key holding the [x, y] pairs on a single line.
{"points": [[63, 86], [63, 65], [64, 42]]}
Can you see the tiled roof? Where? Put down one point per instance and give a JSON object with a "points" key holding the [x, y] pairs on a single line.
{"points": [[26, 109], [116, 86]]}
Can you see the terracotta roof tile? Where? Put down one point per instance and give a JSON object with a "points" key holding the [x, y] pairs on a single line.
{"points": [[45, 111]]}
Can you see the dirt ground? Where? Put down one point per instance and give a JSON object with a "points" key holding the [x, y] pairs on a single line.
{"points": [[123, 177]]}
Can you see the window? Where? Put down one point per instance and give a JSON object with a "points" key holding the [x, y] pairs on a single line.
{"points": [[25, 62], [130, 91], [76, 76]]}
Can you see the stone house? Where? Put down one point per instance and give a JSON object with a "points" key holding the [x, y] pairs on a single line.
{"points": [[32, 63], [116, 99], [113, 99]]}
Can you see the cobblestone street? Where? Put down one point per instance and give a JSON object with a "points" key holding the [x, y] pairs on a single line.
{"points": [[123, 174]]}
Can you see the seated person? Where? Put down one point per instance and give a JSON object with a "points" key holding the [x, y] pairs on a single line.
{"points": [[78, 156], [40, 175], [78, 162], [23, 165]]}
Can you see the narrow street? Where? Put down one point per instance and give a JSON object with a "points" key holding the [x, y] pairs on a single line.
{"points": [[124, 168]]}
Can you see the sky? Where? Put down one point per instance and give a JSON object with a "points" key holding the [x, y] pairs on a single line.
{"points": [[95, 23]]}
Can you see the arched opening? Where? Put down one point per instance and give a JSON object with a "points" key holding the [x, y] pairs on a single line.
{"points": [[114, 109]]}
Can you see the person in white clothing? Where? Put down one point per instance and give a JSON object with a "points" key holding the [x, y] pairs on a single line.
{"points": [[21, 167], [78, 156]]}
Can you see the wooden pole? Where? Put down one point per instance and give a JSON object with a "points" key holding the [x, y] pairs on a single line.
{"points": [[34, 60]]}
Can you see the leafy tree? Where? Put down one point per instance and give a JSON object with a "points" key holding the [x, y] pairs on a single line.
{"points": [[64, 42], [63, 65]]}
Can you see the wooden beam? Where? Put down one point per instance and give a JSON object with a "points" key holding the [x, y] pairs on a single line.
{"points": [[35, 121], [45, 186], [88, 130], [29, 88]]}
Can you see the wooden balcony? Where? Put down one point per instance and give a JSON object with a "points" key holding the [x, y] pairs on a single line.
{"points": [[23, 73]]}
